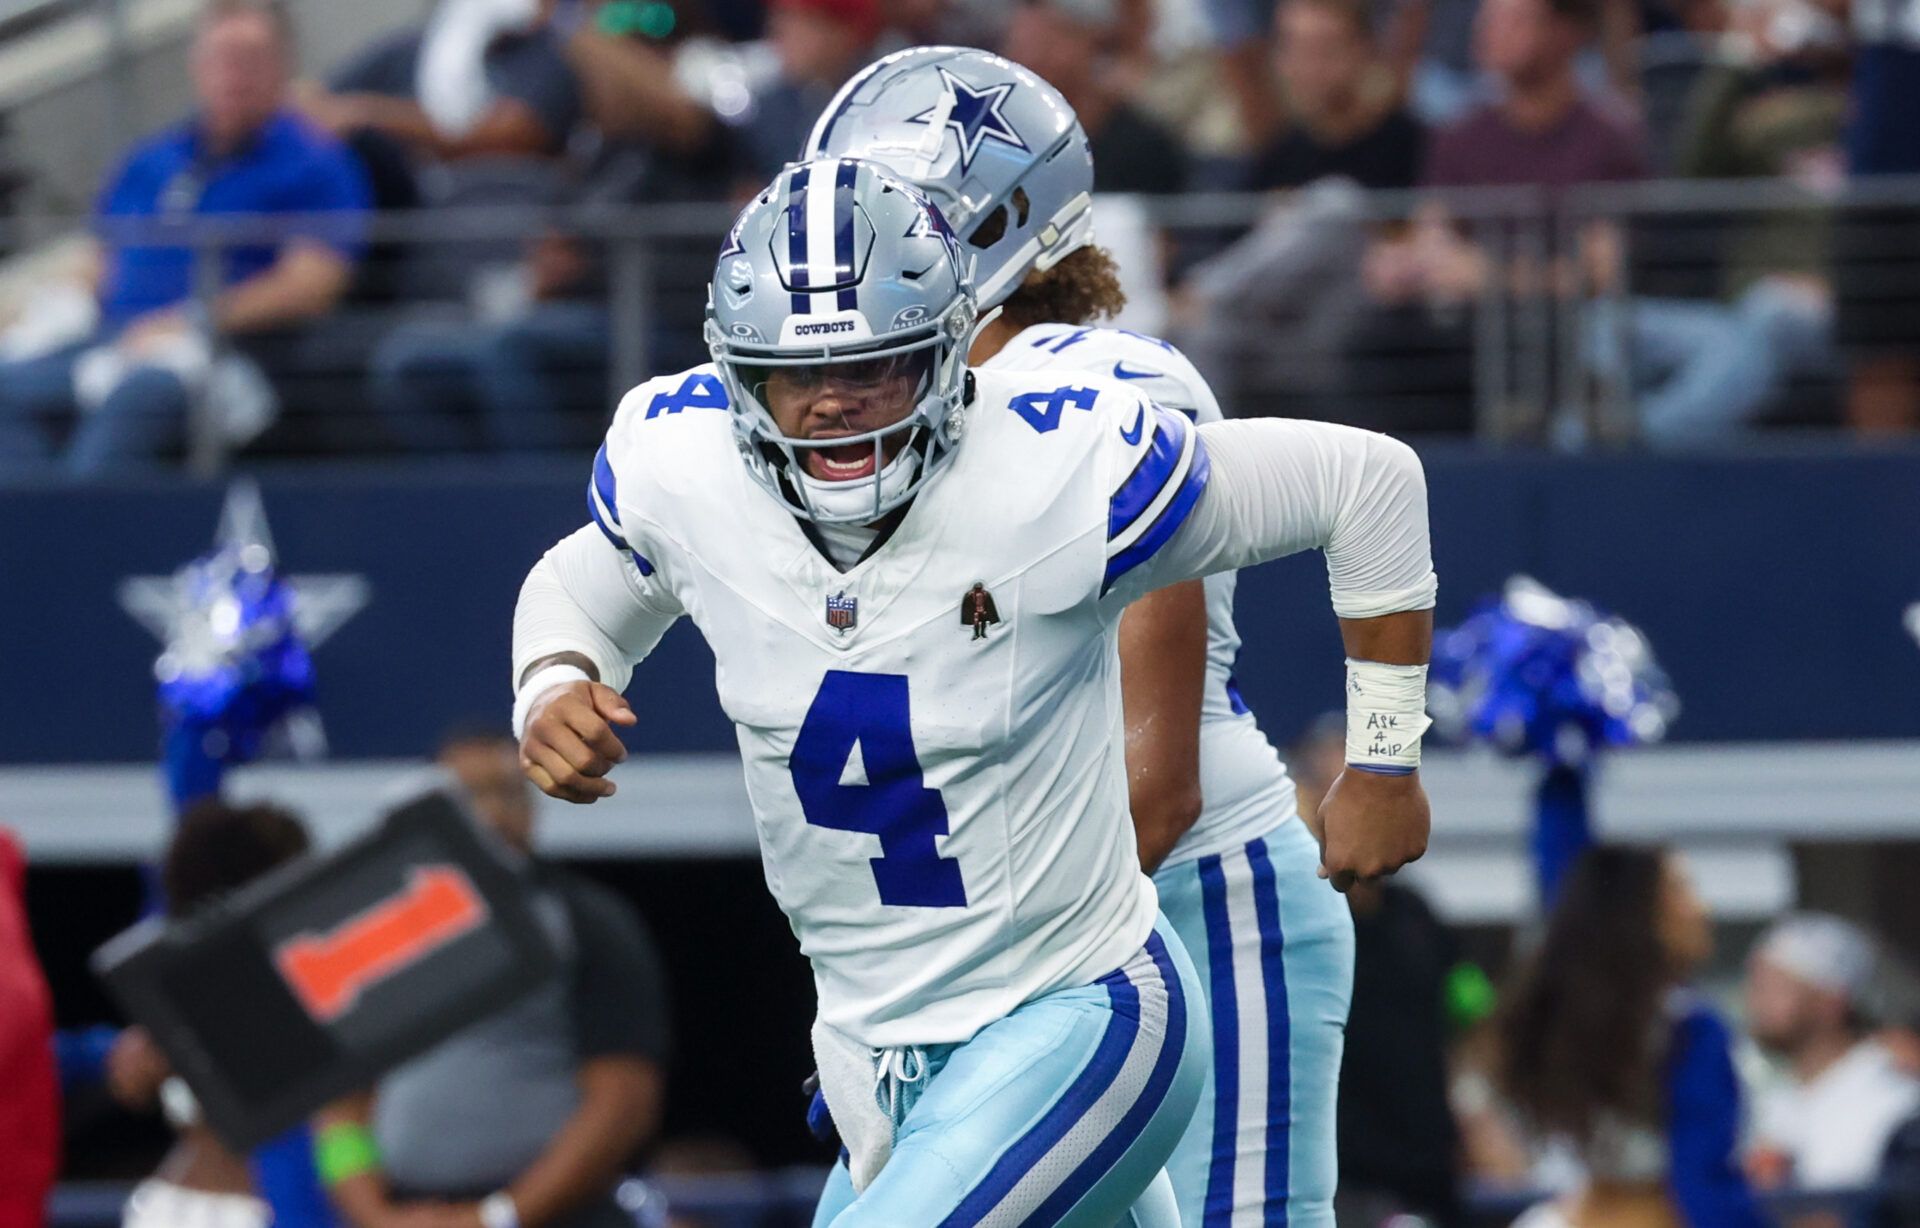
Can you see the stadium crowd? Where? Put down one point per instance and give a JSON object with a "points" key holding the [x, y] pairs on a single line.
{"points": [[1420, 166]]}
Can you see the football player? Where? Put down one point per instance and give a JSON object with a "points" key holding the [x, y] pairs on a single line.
{"points": [[912, 575], [1000, 153]]}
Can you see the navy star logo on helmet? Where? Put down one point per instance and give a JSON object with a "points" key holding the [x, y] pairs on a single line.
{"points": [[973, 115]]}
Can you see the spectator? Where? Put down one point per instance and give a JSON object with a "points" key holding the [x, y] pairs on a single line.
{"points": [[216, 849], [1703, 368], [1398, 1143], [535, 1112], [1408, 361], [1344, 116], [130, 374], [817, 45], [1542, 130], [1898, 1203], [1607, 1051], [533, 374], [480, 78], [627, 85], [1065, 41], [1845, 1096], [29, 1084], [1880, 246]]}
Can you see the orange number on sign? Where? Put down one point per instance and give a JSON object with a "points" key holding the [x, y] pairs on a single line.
{"points": [[328, 972]]}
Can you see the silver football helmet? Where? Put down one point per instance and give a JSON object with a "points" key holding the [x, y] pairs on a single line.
{"points": [[997, 148], [842, 286]]}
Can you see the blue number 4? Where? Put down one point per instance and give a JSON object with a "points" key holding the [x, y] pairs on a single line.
{"points": [[695, 392], [869, 711], [1042, 410]]}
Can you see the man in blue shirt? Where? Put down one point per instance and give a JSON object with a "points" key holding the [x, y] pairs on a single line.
{"points": [[127, 387]]}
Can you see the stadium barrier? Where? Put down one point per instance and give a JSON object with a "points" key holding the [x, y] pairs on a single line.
{"points": [[1509, 314]]}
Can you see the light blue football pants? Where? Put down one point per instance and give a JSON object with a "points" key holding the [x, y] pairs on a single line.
{"points": [[1274, 946], [1062, 1113]]}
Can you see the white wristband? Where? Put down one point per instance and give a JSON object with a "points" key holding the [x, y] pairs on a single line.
{"points": [[1386, 714], [497, 1209], [544, 679]]}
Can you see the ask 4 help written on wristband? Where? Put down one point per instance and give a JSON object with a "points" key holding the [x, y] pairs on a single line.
{"points": [[1375, 819]]}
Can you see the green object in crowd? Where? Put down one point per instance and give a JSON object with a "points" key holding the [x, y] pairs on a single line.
{"points": [[646, 18], [1470, 995]]}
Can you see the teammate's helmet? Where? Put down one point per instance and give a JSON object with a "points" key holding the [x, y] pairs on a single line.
{"points": [[841, 271], [1016, 177]]}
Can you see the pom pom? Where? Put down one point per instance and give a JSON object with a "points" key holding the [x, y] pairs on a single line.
{"points": [[1534, 673]]}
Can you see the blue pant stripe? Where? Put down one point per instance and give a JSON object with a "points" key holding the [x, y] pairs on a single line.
{"points": [[1109, 1056], [1273, 967], [1134, 1121], [1226, 1043]]}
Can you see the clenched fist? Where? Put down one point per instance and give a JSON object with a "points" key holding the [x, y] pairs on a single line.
{"points": [[1370, 825], [569, 745]]}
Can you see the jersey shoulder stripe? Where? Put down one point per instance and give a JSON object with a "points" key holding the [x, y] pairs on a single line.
{"points": [[603, 504], [1157, 496], [657, 436]]}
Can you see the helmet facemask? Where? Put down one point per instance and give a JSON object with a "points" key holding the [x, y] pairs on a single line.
{"points": [[886, 455]]}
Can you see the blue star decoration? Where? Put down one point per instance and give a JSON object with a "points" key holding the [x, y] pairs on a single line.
{"points": [[237, 637], [973, 115]]}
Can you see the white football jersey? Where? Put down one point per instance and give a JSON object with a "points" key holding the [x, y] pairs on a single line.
{"points": [[932, 738], [1244, 786]]}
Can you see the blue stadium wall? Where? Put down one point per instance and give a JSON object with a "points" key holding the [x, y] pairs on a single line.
{"points": [[1772, 587]]}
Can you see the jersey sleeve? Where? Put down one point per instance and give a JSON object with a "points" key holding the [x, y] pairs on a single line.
{"points": [[1274, 487], [600, 592], [1156, 467]]}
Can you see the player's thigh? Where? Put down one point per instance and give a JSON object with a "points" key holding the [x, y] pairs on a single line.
{"points": [[1274, 946], [836, 1196], [1060, 1114], [1182, 901]]}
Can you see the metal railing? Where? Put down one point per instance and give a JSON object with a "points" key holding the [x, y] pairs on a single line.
{"points": [[1513, 315]]}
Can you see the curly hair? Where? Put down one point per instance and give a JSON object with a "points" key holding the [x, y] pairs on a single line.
{"points": [[1580, 1031], [1082, 288]]}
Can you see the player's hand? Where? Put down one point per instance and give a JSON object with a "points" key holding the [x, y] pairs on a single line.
{"points": [[569, 745], [1371, 825]]}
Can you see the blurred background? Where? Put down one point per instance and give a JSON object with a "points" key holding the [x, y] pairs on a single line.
{"points": [[1639, 278]]}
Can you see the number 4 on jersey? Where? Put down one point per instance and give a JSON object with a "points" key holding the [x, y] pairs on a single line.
{"points": [[869, 711], [1042, 410]]}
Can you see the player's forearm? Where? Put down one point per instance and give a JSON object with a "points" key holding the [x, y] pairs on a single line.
{"points": [[619, 1109], [1405, 638]]}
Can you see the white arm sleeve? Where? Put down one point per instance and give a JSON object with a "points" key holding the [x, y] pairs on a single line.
{"points": [[1278, 486], [585, 596]]}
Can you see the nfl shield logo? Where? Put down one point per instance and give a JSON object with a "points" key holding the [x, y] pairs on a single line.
{"points": [[842, 611]]}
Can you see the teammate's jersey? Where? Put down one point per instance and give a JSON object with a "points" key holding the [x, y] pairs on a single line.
{"points": [[932, 739], [1244, 787]]}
